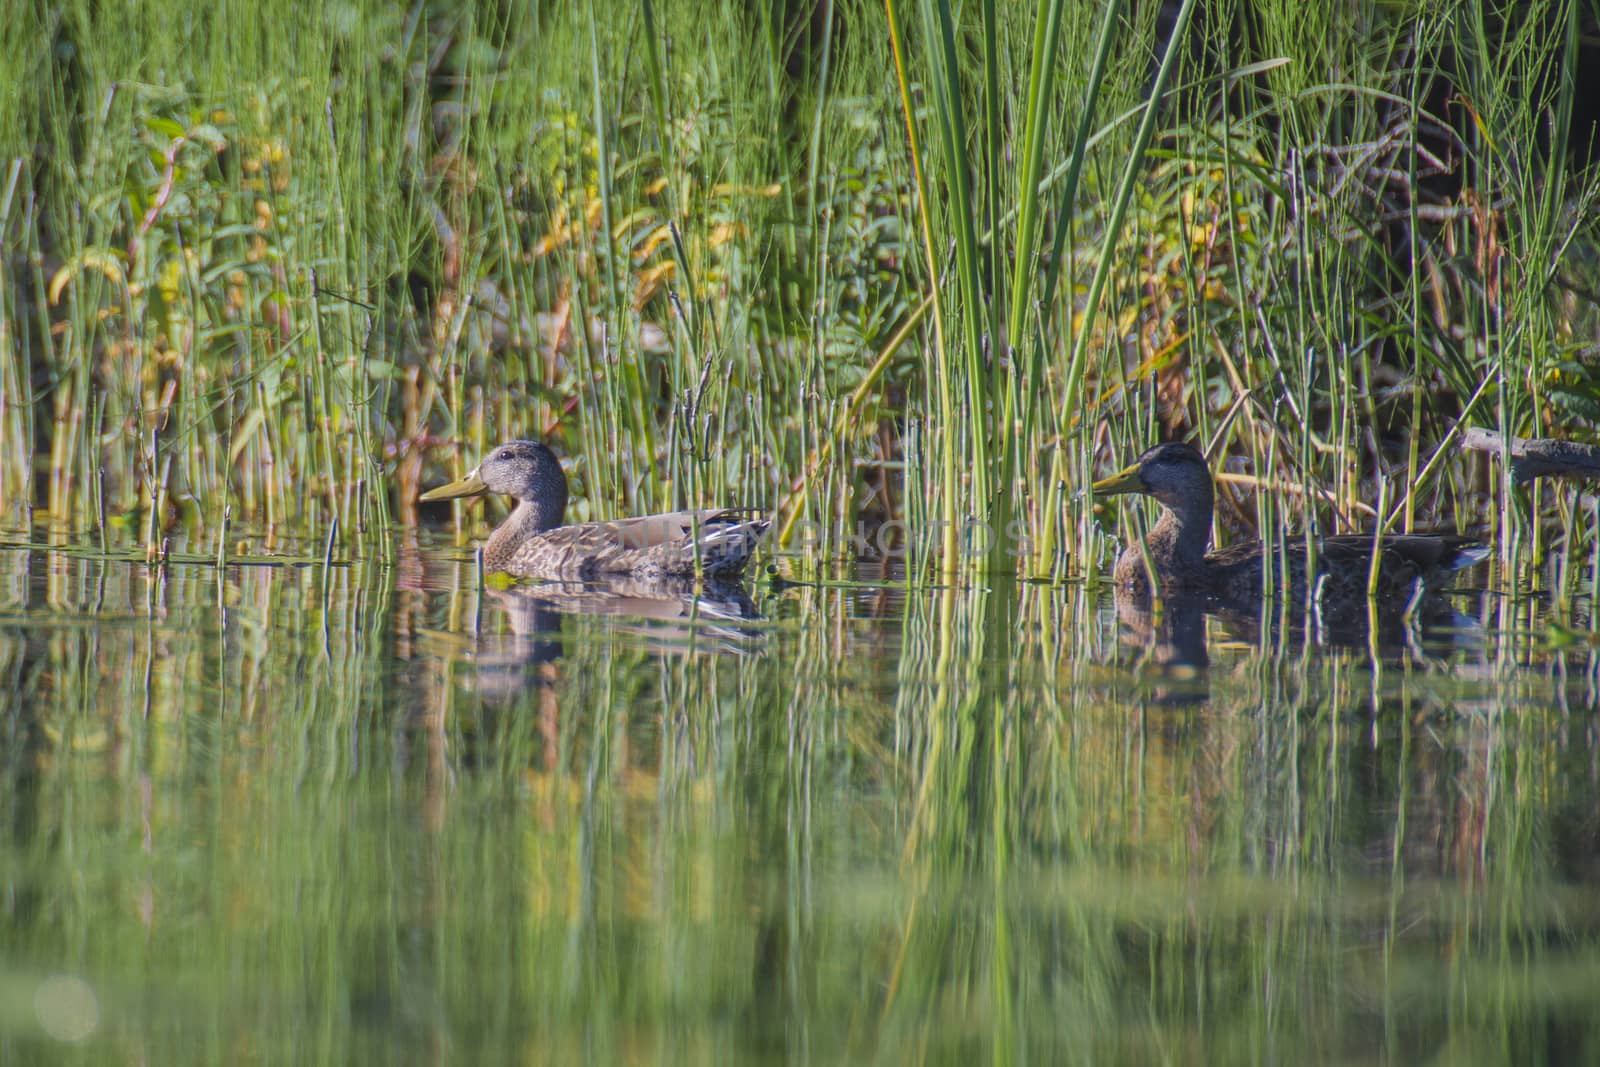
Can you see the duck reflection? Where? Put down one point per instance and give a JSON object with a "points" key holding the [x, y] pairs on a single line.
{"points": [[1173, 634], [1433, 630], [1173, 630], [671, 614], [663, 617]]}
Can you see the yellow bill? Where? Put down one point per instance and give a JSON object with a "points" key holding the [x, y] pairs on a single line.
{"points": [[1124, 481], [471, 485]]}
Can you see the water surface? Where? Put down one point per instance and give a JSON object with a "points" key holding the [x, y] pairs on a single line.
{"points": [[357, 814]]}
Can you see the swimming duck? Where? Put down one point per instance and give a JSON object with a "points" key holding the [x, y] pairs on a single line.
{"points": [[534, 543], [1176, 474]]}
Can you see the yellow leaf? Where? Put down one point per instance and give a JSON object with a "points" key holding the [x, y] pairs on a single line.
{"points": [[241, 437], [651, 281], [93, 258], [726, 232], [659, 236]]}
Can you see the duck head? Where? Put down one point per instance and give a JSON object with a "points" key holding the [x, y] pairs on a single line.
{"points": [[526, 470], [1175, 474]]}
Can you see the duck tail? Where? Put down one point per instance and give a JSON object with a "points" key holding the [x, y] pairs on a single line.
{"points": [[1465, 556], [724, 548]]}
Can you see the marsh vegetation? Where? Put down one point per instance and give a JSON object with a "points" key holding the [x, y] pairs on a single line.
{"points": [[869, 263]]}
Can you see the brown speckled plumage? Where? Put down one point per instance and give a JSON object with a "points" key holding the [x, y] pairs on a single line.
{"points": [[1177, 476], [533, 542]]}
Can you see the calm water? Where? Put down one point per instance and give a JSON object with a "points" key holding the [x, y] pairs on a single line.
{"points": [[272, 815]]}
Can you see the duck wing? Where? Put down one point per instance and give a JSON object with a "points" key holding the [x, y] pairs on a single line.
{"points": [[672, 527], [714, 541], [1345, 559], [1405, 557]]}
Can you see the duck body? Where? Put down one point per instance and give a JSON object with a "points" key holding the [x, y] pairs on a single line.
{"points": [[1409, 565], [534, 542], [1237, 575]]}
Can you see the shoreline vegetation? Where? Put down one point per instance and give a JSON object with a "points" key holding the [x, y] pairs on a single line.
{"points": [[873, 266]]}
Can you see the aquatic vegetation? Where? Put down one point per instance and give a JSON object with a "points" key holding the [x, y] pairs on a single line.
{"points": [[857, 265]]}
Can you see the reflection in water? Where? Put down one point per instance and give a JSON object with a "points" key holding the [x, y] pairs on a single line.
{"points": [[669, 611], [278, 814], [1173, 630], [664, 616]]}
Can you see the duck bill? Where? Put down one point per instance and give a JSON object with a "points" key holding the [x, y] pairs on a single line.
{"points": [[471, 485], [1124, 481]]}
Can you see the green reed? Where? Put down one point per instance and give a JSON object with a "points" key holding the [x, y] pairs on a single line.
{"points": [[250, 282]]}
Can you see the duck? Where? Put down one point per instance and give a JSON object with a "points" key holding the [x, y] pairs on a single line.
{"points": [[536, 542], [1410, 566]]}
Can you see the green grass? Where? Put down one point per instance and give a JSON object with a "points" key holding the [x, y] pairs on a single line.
{"points": [[917, 261]]}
